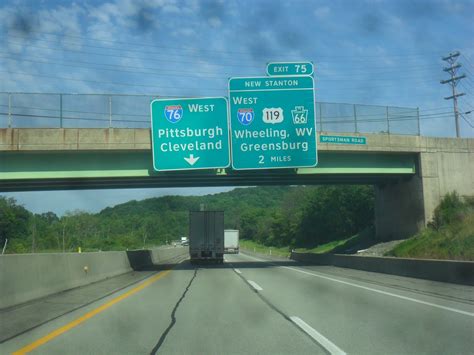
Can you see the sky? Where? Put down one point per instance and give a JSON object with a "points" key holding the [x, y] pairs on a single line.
{"points": [[371, 52]]}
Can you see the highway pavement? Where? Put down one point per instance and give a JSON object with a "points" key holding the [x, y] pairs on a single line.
{"points": [[254, 305]]}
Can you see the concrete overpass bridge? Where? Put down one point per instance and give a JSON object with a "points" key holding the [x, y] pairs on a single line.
{"points": [[410, 173]]}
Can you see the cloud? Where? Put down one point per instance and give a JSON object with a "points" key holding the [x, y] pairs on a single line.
{"points": [[322, 12], [216, 39], [213, 11], [23, 24]]}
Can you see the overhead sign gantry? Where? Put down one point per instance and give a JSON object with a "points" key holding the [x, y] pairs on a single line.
{"points": [[270, 119]]}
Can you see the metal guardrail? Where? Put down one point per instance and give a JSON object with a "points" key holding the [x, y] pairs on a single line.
{"points": [[49, 110]]}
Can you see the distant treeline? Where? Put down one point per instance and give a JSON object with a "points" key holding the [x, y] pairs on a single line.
{"points": [[275, 216]]}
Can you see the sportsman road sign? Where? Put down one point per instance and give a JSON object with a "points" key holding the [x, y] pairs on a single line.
{"points": [[272, 122], [190, 133]]}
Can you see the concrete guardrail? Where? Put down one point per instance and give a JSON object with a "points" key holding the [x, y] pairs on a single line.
{"points": [[25, 277], [458, 272], [146, 259]]}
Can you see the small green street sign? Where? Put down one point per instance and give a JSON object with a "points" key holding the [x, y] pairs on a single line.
{"points": [[189, 134], [272, 122], [342, 140], [290, 68]]}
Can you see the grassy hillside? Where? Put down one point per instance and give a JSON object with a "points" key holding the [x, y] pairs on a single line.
{"points": [[449, 236]]}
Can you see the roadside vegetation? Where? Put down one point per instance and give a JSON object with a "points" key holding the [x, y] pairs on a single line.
{"points": [[282, 218], [252, 246], [449, 236]]}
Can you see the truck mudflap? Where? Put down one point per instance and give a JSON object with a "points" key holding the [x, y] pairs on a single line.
{"points": [[201, 261], [206, 256]]}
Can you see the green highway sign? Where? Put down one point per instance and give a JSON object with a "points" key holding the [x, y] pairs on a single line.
{"points": [[290, 68], [190, 133], [272, 122], [342, 140]]}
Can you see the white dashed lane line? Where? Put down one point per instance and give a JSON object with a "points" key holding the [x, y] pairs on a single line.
{"points": [[321, 339], [255, 285]]}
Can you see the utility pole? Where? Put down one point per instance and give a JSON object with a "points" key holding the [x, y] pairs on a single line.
{"points": [[453, 81], [33, 236], [64, 230]]}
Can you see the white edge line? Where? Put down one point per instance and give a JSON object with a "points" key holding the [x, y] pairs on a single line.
{"points": [[321, 339], [470, 314], [238, 271], [255, 285], [384, 292]]}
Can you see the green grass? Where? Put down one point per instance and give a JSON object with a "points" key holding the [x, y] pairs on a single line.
{"points": [[358, 241], [323, 248], [252, 246], [454, 241]]}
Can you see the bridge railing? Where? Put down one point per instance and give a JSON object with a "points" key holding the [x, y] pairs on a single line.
{"points": [[45, 110]]}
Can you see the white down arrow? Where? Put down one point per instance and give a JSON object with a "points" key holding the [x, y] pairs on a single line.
{"points": [[191, 160]]}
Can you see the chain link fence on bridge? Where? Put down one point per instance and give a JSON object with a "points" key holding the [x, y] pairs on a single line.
{"points": [[36, 110]]}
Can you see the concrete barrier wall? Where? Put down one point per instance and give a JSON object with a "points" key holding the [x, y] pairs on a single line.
{"points": [[148, 258], [139, 259], [168, 255], [24, 277], [459, 272]]}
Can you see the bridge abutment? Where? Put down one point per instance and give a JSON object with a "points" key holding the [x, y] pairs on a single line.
{"points": [[405, 207], [399, 209]]}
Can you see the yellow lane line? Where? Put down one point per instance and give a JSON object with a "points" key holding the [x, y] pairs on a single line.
{"points": [[88, 315]]}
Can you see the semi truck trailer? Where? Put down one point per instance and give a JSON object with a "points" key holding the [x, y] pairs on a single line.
{"points": [[206, 236], [231, 241]]}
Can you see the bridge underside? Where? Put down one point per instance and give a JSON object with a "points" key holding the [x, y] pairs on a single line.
{"points": [[60, 170]]}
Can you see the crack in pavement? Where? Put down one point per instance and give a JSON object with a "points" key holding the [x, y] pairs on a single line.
{"points": [[279, 311], [173, 316]]}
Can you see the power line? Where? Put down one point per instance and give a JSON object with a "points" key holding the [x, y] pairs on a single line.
{"points": [[131, 57], [468, 61], [166, 58], [467, 121], [107, 82], [122, 49], [174, 87], [467, 83], [320, 74], [467, 103], [142, 44], [384, 119], [130, 66], [177, 73], [468, 90], [391, 117], [188, 74]]}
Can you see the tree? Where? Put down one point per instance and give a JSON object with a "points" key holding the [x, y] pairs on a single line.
{"points": [[14, 222], [335, 212]]}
